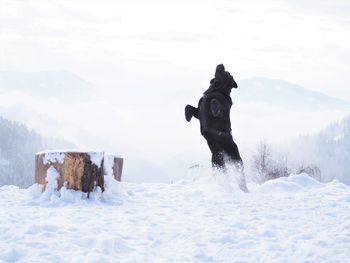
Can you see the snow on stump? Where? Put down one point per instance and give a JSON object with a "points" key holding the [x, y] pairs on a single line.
{"points": [[77, 170]]}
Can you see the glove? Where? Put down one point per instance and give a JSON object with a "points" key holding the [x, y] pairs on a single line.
{"points": [[188, 112]]}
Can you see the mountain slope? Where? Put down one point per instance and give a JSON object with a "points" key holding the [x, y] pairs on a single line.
{"points": [[18, 146], [329, 150]]}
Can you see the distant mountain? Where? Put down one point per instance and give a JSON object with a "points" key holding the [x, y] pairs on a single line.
{"points": [[58, 84], [285, 94], [69, 86], [18, 145]]}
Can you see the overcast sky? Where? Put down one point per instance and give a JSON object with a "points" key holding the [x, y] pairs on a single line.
{"points": [[139, 55], [307, 43]]}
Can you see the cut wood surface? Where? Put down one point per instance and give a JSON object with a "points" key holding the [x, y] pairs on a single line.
{"points": [[77, 170]]}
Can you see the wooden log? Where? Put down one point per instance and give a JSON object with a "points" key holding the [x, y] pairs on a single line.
{"points": [[77, 170], [118, 168]]}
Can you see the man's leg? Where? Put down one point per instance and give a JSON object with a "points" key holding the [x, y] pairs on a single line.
{"points": [[231, 150], [217, 158], [232, 153]]}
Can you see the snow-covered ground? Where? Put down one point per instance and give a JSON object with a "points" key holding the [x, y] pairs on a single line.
{"points": [[295, 219]]}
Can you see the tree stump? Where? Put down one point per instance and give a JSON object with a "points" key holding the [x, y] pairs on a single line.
{"points": [[114, 165], [77, 170]]}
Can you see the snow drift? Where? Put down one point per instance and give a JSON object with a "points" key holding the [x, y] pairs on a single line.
{"points": [[200, 219]]}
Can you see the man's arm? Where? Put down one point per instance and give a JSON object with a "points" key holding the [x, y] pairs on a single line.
{"points": [[216, 108], [190, 112]]}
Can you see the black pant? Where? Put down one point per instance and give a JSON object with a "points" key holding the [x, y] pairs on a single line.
{"points": [[222, 146]]}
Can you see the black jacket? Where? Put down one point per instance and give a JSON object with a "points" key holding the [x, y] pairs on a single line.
{"points": [[214, 107], [214, 113]]}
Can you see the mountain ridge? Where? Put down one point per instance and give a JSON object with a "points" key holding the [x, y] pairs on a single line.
{"points": [[60, 83], [287, 94]]}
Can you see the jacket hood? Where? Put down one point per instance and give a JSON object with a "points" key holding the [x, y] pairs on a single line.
{"points": [[223, 82]]}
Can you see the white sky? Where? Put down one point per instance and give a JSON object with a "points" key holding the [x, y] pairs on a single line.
{"points": [[143, 56], [304, 43]]}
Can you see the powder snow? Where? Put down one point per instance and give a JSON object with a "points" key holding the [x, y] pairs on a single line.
{"points": [[200, 219]]}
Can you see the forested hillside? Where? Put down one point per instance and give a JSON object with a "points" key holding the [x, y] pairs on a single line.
{"points": [[18, 145], [329, 150]]}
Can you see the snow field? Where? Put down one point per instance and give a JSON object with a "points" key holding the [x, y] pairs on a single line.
{"points": [[200, 219]]}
